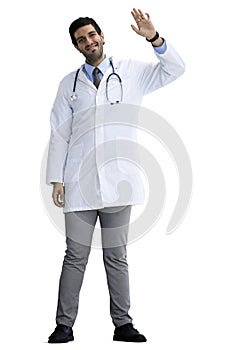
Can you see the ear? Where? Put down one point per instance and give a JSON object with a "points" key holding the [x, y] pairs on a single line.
{"points": [[102, 37]]}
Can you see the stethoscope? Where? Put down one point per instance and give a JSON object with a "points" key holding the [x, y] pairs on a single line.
{"points": [[74, 95]]}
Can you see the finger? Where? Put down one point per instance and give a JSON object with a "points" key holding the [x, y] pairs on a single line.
{"points": [[134, 14], [135, 29], [60, 201], [135, 11], [55, 199], [141, 14], [148, 16], [62, 197], [137, 19]]}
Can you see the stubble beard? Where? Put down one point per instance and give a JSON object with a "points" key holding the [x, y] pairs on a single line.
{"points": [[92, 58]]}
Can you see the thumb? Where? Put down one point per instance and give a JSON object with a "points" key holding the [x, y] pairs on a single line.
{"points": [[135, 29], [62, 194]]}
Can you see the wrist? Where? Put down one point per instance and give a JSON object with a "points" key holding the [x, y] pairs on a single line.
{"points": [[158, 42], [151, 35], [155, 39]]}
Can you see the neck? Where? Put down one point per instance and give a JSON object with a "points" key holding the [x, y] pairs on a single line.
{"points": [[97, 62]]}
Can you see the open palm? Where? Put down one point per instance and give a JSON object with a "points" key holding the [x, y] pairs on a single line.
{"points": [[144, 25]]}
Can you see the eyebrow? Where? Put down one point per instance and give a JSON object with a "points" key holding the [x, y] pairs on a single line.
{"points": [[81, 37]]}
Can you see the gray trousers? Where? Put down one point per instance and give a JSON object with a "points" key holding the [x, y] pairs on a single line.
{"points": [[80, 226]]}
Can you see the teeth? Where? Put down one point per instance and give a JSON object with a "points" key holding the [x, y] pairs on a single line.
{"points": [[92, 47]]}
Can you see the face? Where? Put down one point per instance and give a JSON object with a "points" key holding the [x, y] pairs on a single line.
{"points": [[90, 43]]}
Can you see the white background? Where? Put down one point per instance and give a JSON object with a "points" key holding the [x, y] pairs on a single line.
{"points": [[181, 285]]}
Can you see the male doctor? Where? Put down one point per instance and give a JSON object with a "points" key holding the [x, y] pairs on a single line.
{"points": [[86, 190]]}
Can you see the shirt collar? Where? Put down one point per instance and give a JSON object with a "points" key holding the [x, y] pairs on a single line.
{"points": [[103, 66]]}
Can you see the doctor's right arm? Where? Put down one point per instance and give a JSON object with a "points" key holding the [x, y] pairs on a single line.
{"points": [[61, 126]]}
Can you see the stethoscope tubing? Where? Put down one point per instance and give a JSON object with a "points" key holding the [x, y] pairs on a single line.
{"points": [[74, 95]]}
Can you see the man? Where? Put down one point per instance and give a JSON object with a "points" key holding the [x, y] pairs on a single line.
{"points": [[82, 186]]}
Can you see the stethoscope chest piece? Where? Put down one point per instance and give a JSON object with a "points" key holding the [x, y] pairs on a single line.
{"points": [[73, 97]]}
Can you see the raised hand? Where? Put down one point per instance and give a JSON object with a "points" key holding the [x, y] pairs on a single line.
{"points": [[144, 25]]}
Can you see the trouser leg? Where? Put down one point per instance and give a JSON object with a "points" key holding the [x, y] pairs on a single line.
{"points": [[114, 229], [79, 231]]}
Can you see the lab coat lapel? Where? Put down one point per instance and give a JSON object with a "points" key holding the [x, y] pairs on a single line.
{"points": [[82, 77]]}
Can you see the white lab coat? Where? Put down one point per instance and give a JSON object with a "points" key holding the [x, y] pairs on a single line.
{"points": [[92, 148]]}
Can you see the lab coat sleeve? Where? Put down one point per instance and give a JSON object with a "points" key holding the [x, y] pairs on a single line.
{"points": [[61, 125], [152, 76]]}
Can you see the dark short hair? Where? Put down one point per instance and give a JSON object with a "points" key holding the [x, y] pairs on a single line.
{"points": [[81, 22]]}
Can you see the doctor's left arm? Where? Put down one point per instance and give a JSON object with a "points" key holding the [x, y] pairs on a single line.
{"points": [[61, 126]]}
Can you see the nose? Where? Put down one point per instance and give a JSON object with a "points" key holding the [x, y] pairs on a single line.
{"points": [[88, 42]]}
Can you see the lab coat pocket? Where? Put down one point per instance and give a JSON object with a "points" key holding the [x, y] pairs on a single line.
{"points": [[73, 164]]}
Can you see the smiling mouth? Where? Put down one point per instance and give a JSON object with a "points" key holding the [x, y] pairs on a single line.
{"points": [[92, 47]]}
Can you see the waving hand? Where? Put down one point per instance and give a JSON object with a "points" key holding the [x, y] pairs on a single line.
{"points": [[144, 25]]}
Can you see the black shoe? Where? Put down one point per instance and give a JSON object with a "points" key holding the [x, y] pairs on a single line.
{"points": [[128, 333], [62, 334]]}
